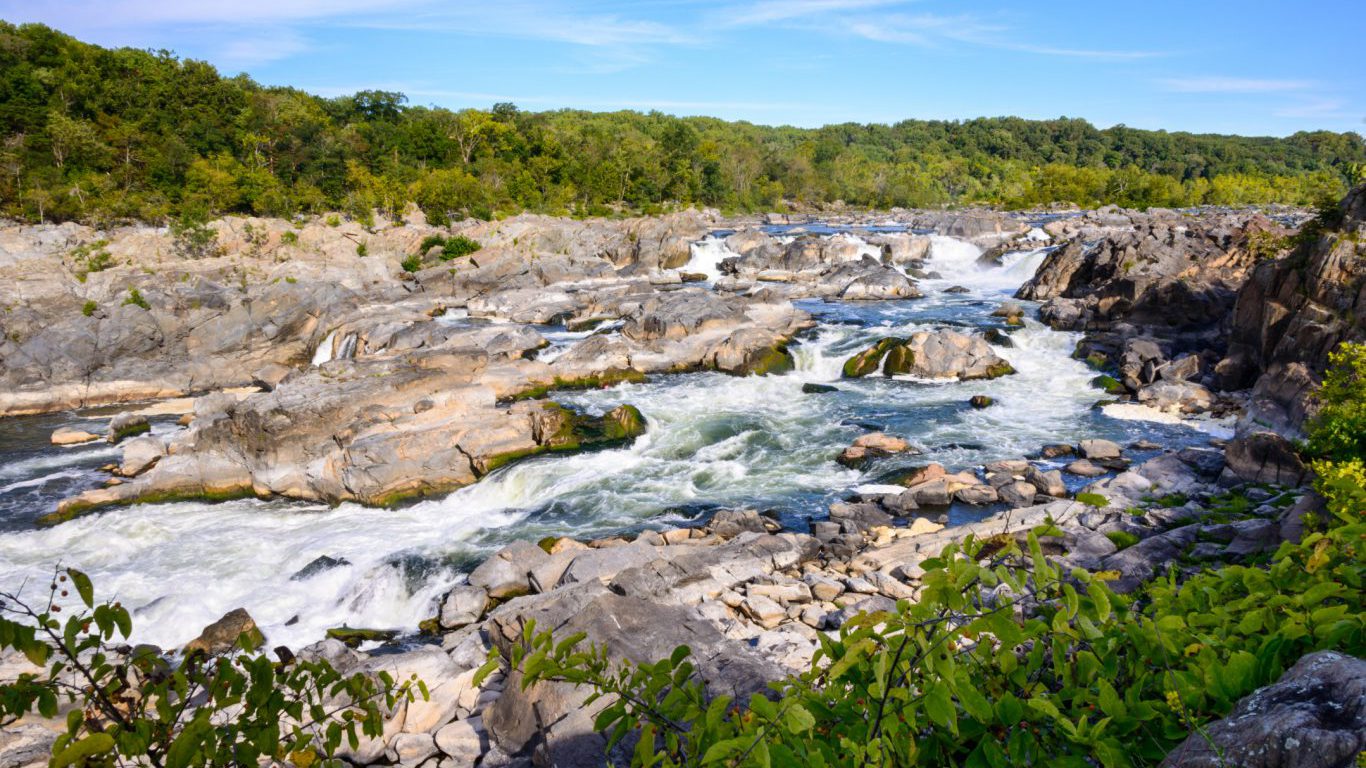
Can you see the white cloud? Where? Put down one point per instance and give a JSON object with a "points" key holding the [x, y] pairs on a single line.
{"points": [[1218, 84], [769, 11]]}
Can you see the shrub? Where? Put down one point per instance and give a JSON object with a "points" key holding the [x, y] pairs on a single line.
{"points": [[1338, 430], [458, 246], [135, 299], [333, 220], [289, 238], [89, 307], [192, 236], [230, 707], [1122, 539], [362, 250], [411, 264], [431, 241]]}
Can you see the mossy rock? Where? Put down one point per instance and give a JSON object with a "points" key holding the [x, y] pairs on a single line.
{"points": [[773, 360], [1109, 384], [998, 370], [900, 360], [1093, 500], [1097, 360], [608, 378], [353, 637], [867, 361], [818, 389], [998, 337], [1121, 539], [981, 401], [129, 430]]}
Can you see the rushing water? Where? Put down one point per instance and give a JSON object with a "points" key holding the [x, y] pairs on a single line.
{"points": [[713, 441]]}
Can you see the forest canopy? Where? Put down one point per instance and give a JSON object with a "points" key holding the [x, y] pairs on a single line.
{"points": [[101, 136]]}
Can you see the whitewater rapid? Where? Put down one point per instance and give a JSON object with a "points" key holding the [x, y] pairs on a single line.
{"points": [[712, 441]]}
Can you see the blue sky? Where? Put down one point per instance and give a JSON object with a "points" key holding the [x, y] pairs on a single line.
{"points": [[1268, 68]]}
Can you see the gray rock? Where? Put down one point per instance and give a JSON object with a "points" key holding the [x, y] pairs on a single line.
{"points": [[1313, 717], [1099, 449], [463, 605], [505, 574]]}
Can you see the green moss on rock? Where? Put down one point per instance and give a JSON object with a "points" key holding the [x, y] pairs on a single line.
{"points": [[608, 378], [867, 361], [353, 637], [1109, 384]]}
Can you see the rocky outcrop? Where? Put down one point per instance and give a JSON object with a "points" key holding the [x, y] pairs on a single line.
{"points": [[1292, 313], [1313, 717], [941, 354]]}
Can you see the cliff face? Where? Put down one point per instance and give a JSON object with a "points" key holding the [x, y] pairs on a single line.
{"points": [[1292, 313]]}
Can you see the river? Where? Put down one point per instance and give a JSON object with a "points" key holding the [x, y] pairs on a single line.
{"points": [[713, 441]]}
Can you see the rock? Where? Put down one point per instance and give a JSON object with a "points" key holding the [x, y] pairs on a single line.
{"points": [[1084, 468], [1265, 457], [505, 574], [931, 354], [222, 635], [317, 565], [126, 425], [462, 741], [912, 476], [1048, 483], [882, 442], [978, 495], [1054, 450], [71, 436], [410, 749], [463, 605], [1099, 449], [1018, 493], [981, 401], [810, 388], [270, 377], [823, 588], [1313, 717], [140, 454]]}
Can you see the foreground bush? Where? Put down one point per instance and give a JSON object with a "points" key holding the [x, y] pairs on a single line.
{"points": [[134, 707]]}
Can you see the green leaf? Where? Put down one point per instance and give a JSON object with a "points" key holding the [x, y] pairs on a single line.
{"points": [[90, 746], [83, 586], [939, 706], [798, 719]]}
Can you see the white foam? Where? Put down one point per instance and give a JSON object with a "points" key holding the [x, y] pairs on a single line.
{"points": [[323, 353], [707, 255], [1220, 428]]}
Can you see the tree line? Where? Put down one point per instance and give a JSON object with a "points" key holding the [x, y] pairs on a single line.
{"points": [[107, 135]]}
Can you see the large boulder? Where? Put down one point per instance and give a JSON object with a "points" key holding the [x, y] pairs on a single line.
{"points": [[1313, 717], [941, 354]]}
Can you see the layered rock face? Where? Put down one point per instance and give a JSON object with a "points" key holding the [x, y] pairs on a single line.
{"points": [[111, 316], [1293, 312]]}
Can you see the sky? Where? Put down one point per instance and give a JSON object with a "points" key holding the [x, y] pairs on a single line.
{"points": [[1246, 67]]}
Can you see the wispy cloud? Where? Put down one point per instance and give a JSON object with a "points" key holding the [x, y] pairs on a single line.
{"points": [[534, 21], [1314, 108], [770, 11], [884, 21], [1219, 84]]}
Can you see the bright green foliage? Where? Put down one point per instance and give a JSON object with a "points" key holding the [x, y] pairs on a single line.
{"points": [[135, 300], [1338, 431], [458, 246], [232, 708], [362, 250], [958, 678], [89, 307], [102, 135], [1122, 539], [411, 263], [1093, 500]]}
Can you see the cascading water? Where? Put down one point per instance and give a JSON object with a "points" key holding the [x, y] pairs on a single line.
{"points": [[323, 353], [713, 441], [707, 255]]}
